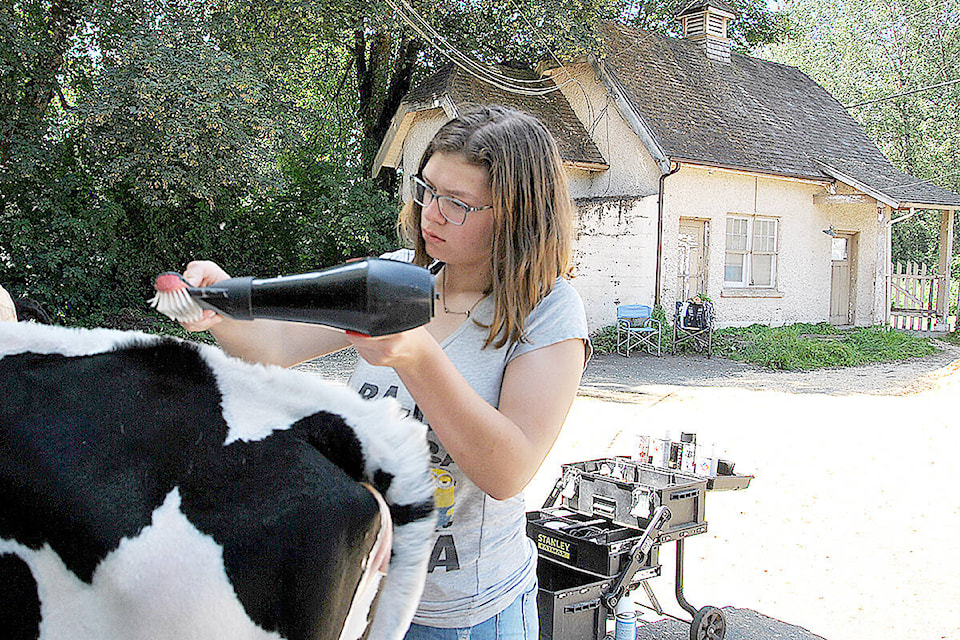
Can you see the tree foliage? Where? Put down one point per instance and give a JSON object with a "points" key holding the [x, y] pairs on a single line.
{"points": [[137, 134], [865, 51]]}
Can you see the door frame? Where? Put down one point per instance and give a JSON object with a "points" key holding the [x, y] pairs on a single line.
{"points": [[853, 257], [705, 252]]}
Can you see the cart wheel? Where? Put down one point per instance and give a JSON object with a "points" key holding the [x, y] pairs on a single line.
{"points": [[708, 624]]}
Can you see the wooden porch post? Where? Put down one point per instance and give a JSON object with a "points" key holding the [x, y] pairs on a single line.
{"points": [[881, 283], [946, 251]]}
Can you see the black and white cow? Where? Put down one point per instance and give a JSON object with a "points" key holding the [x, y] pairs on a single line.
{"points": [[155, 489]]}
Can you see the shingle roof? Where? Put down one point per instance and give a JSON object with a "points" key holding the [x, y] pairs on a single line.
{"points": [[574, 142], [750, 114]]}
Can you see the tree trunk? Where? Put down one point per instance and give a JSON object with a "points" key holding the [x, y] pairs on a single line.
{"points": [[384, 64], [40, 75]]}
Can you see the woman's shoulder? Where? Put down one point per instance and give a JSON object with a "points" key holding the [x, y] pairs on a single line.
{"points": [[563, 304], [400, 255], [563, 294]]}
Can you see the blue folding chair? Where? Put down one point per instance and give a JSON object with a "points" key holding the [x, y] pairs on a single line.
{"points": [[636, 329]]}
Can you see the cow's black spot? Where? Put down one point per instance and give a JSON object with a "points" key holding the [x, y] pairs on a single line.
{"points": [[333, 437], [19, 602], [91, 445], [382, 480], [294, 529]]}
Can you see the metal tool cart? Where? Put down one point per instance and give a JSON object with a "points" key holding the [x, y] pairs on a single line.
{"points": [[603, 541]]}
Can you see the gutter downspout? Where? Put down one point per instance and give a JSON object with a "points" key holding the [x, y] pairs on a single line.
{"points": [[663, 177]]}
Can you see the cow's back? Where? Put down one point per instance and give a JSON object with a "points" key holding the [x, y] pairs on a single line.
{"points": [[157, 489]]}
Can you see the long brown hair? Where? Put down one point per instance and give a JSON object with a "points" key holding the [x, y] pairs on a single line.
{"points": [[533, 212]]}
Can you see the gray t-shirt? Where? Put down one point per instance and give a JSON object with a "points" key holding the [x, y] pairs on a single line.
{"points": [[482, 560]]}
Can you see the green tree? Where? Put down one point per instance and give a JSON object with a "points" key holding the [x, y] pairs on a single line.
{"points": [[865, 52]]}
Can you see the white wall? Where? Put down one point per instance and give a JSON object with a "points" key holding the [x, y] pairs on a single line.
{"points": [[424, 127], [802, 293], [615, 256], [632, 171]]}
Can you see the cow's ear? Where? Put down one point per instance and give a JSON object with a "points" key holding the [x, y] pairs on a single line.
{"points": [[336, 440]]}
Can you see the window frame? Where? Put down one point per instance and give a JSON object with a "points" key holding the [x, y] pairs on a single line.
{"points": [[750, 251]]}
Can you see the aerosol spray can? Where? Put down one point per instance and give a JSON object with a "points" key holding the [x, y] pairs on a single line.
{"points": [[707, 460], [688, 448], [641, 452], [659, 451], [626, 620]]}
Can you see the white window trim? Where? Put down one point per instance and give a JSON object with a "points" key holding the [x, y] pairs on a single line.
{"points": [[747, 281]]}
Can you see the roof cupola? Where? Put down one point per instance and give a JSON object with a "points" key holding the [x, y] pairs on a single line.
{"points": [[705, 22]]}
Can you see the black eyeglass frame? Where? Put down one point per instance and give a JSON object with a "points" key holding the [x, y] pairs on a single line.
{"points": [[417, 181]]}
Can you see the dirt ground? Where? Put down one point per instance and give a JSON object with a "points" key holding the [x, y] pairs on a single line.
{"points": [[848, 529]]}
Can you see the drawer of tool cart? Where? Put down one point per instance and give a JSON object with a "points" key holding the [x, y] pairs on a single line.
{"points": [[591, 544]]}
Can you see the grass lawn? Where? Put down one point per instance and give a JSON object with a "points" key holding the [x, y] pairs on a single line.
{"points": [[800, 346], [814, 346]]}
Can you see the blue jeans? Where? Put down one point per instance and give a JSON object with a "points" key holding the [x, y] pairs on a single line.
{"points": [[517, 622]]}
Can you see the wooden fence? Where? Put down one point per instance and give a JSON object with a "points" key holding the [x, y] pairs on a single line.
{"points": [[914, 294]]}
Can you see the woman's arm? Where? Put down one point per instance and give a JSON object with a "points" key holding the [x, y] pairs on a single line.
{"points": [[261, 341], [499, 450]]}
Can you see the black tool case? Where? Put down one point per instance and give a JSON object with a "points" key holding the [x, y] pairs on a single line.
{"points": [[628, 492], [603, 541], [595, 545], [570, 602]]}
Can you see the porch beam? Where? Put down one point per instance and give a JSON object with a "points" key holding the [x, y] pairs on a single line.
{"points": [[946, 251], [842, 198]]}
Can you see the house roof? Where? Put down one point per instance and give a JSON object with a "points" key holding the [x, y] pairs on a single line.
{"points": [[699, 5], [575, 144], [751, 114]]}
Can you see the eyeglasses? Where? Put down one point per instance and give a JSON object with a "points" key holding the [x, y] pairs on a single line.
{"points": [[453, 211]]}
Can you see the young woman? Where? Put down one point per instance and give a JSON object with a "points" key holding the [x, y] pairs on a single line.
{"points": [[493, 374]]}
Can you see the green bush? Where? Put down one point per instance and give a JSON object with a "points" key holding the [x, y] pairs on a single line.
{"points": [[604, 340]]}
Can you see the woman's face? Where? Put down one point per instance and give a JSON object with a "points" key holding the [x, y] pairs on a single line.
{"points": [[471, 243]]}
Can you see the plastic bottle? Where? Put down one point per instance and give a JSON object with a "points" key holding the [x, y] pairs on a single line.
{"points": [[625, 620], [707, 460], [660, 451]]}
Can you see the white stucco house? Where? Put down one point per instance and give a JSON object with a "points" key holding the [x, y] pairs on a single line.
{"points": [[697, 169]]}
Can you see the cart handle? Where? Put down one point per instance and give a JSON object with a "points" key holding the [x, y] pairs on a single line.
{"points": [[637, 557]]}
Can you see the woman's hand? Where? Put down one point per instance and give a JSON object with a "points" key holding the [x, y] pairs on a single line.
{"points": [[398, 350], [203, 273]]}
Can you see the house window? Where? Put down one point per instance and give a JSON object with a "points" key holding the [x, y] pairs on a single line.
{"points": [[751, 253]]}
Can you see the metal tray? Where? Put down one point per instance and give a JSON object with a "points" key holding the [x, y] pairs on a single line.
{"points": [[627, 492]]}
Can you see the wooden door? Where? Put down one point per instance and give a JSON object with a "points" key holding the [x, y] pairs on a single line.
{"points": [[692, 245], [842, 278]]}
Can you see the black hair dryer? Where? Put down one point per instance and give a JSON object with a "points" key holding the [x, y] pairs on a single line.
{"points": [[371, 296]]}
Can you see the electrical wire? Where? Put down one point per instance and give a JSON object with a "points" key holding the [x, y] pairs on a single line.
{"points": [[928, 180], [536, 34], [900, 95], [481, 72]]}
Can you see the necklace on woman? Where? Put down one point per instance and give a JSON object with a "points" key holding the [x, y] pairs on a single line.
{"points": [[443, 298]]}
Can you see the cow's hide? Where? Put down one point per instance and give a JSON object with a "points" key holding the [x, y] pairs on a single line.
{"points": [[152, 488]]}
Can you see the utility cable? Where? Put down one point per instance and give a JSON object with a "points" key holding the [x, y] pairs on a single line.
{"points": [[900, 95], [475, 69]]}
